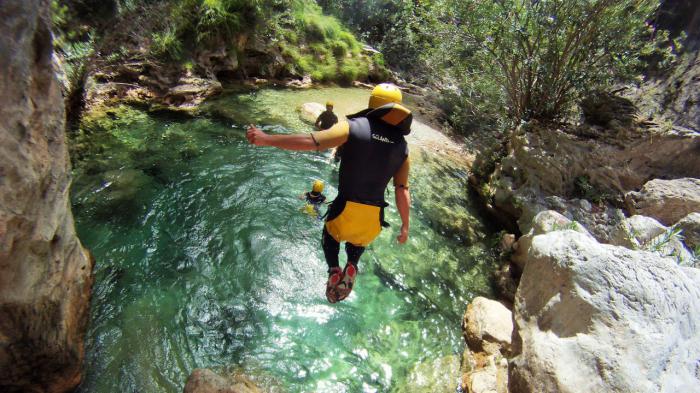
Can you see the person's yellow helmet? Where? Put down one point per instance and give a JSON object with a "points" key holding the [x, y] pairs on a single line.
{"points": [[329, 103], [383, 94], [318, 186]]}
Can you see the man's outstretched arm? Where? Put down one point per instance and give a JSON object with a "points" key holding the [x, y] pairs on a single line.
{"points": [[403, 199], [321, 140], [258, 137]]}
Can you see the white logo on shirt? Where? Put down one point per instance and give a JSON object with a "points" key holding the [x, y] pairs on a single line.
{"points": [[381, 138]]}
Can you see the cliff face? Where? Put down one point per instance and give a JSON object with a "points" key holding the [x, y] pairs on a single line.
{"points": [[45, 273]]}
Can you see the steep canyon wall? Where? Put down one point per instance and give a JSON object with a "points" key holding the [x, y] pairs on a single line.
{"points": [[45, 273]]}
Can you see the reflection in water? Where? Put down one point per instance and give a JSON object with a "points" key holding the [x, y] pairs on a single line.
{"points": [[204, 260]]}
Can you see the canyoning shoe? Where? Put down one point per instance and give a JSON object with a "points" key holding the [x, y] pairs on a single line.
{"points": [[335, 276], [344, 287]]}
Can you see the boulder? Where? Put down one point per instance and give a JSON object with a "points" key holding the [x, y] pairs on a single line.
{"points": [[545, 221], [487, 322], [645, 233], [487, 327], [666, 200], [636, 231], [599, 318], [203, 380], [310, 111], [690, 225], [45, 273]]}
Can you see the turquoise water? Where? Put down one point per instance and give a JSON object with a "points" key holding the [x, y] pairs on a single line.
{"points": [[203, 259]]}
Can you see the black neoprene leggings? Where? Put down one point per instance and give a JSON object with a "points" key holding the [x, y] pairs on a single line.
{"points": [[331, 248]]}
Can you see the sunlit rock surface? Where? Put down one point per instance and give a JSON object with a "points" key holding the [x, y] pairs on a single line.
{"points": [[552, 159], [574, 170], [45, 274], [666, 200], [645, 233], [599, 318], [487, 326]]}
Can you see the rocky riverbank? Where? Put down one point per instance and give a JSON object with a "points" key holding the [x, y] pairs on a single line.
{"points": [[603, 277]]}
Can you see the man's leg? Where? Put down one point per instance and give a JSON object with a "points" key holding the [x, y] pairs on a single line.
{"points": [[331, 248], [354, 253], [345, 286]]}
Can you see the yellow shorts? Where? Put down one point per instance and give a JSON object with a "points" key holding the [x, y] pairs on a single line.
{"points": [[357, 224]]}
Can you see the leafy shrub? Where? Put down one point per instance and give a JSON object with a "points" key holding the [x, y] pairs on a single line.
{"points": [[546, 54]]}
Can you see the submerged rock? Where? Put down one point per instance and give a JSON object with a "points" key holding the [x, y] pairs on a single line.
{"points": [[45, 273], [593, 317], [203, 380], [440, 375]]}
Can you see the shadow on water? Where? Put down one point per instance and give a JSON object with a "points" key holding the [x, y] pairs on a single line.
{"points": [[203, 259]]}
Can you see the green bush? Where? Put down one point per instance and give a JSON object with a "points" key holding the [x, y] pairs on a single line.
{"points": [[546, 54]]}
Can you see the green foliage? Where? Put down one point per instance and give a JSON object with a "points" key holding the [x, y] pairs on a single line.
{"points": [[583, 188], [662, 243], [545, 54], [59, 15], [400, 29], [571, 226], [166, 44]]}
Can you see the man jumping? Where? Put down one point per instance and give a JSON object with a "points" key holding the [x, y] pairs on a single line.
{"points": [[375, 151]]}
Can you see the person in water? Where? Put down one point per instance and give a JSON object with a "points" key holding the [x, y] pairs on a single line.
{"points": [[314, 199], [374, 152], [326, 119]]}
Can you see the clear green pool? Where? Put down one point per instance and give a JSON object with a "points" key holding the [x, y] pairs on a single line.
{"points": [[203, 259]]}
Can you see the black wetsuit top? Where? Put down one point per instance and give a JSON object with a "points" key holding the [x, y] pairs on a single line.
{"points": [[315, 198], [373, 153]]}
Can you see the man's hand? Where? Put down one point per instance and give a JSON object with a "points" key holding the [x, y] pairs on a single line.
{"points": [[403, 236], [256, 136]]}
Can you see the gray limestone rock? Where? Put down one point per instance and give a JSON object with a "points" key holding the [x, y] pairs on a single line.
{"points": [[45, 273], [598, 318], [666, 200], [636, 231], [544, 221], [487, 327], [690, 225], [488, 323]]}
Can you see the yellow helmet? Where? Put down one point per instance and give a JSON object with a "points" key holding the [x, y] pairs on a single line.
{"points": [[318, 186], [383, 94], [329, 103]]}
